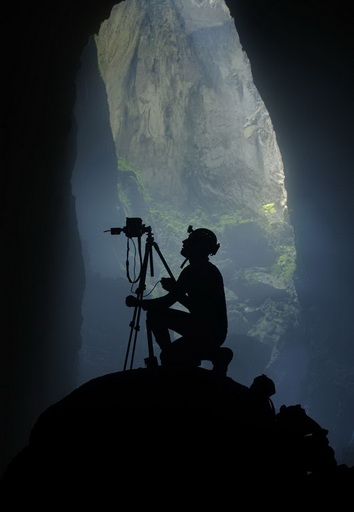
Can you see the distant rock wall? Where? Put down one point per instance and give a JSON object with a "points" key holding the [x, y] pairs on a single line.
{"points": [[186, 117]]}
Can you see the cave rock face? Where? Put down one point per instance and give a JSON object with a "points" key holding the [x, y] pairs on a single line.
{"points": [[195, 145], [185, 113]]}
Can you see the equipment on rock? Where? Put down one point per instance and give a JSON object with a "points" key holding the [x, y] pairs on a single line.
{"points": [[136, 229]]}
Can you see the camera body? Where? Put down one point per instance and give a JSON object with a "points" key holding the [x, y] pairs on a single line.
{"points": [[134, 227]]}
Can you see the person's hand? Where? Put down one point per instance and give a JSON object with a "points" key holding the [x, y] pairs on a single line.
{"points": [[167, 283], [131, 301]]}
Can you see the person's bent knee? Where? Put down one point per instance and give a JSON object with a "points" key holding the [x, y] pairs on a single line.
{"points": [[155, 314]]}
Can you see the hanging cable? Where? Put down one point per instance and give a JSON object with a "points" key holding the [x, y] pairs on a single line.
{"points": [[135, 279]]}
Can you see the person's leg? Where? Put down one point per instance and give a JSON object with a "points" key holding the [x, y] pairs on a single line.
{"points": [[181, 351], [160, 321], [198, 343], [196, 340]]}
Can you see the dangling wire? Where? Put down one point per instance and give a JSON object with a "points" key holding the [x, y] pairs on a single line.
{"points": [[136, 252], [152, 289]]}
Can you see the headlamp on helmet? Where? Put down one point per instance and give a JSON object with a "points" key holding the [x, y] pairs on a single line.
{"points": [[205, 238]]}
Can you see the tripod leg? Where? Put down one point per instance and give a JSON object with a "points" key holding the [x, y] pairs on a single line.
{"points": [[136, 317], [134, 325], [157, 249], [151, 361]]}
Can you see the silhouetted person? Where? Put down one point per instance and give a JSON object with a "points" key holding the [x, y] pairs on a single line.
{"points": [[200, 289]]}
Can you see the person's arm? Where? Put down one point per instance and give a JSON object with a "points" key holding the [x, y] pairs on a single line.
{"points": [[171, 285], [176, 293], [165, 301]]}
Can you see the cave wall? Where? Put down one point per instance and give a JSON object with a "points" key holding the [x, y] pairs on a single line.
{"points": [[302, 63], [302, 59], [42, 269]]}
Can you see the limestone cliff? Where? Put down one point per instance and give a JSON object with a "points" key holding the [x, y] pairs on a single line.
{"points": [[184, 111], [195, 145]]}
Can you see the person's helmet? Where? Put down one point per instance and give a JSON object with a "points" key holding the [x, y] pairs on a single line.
{"points": [[205, 238]]}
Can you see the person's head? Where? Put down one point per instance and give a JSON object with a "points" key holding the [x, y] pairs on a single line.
{"points": [[201, 242]]}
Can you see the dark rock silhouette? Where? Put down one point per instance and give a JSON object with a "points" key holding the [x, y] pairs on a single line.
{"points": [[182, 433]]}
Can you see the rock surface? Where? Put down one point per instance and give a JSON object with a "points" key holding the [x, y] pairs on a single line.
{"points": [[184, 111], [177, 433]]}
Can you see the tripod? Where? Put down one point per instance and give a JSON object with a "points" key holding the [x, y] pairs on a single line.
{"points": [[151, 360]]}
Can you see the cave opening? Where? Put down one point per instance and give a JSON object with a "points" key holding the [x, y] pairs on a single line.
{"points": [[299, 366], [166, 105]]}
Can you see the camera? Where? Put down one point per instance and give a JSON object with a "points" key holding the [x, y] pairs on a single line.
{"points": [[134, 228]]}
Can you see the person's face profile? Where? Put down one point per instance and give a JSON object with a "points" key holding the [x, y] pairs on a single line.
{"points": [[185, 251]]}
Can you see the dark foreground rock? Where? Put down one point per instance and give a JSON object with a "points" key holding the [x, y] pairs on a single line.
{"points": [[167, 437]]}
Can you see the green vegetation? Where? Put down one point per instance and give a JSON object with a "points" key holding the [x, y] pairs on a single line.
{"points": [[137, 173], [99, 60], [170, 220], [285, 265], [228, 221], [124, 202], [132, 179], [173, 223], [269, 208]]}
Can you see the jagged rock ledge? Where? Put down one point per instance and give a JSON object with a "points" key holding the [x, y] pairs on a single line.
{"points": [[180, 432]]}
